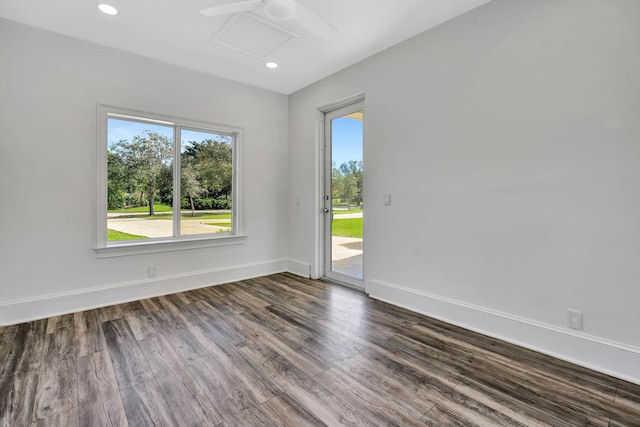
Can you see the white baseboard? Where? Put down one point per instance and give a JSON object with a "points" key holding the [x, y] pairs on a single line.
{"points": [[299, 268], [44, 306], [609, 357]]}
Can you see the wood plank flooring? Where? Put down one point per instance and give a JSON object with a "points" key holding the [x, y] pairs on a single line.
{"points": [[286, 351]]}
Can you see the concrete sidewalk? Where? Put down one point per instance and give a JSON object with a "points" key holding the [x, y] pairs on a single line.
{"points": [[346, 254], [348, 215], [182, 212], [164, 227]]}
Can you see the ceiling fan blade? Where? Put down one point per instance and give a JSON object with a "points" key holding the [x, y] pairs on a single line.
{"points": [[314, 23], [226, 9]]}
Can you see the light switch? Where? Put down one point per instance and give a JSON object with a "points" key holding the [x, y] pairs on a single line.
{"points": [[387, 199]]}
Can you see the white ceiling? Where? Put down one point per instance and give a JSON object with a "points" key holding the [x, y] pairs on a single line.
{"points": [[173, 31]]}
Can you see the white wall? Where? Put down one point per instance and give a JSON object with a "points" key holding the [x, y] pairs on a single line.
{"points": [[509, 139], [49, 88]]}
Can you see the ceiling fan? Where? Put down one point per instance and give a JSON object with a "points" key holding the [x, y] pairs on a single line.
{"points": [[278, 10]]}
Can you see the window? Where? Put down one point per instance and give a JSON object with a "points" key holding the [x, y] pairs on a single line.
{"points": [[165, 180]]}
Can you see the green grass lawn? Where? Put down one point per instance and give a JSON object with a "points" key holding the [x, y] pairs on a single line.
{"points": [[186, 216], [347, 227], [158, 207], [220, 224], [119, 235]]}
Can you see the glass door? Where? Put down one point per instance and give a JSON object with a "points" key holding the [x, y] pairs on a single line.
{"points": [[343, 196]]}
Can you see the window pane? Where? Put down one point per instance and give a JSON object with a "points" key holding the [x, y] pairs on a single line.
{"points": [[206, 177], [140, 180]]}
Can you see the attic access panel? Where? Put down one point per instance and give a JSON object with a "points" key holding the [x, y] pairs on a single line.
{"points": [[253, 36]]}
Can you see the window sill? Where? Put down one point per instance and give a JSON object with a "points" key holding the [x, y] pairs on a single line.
{"points": [[156, 246]]}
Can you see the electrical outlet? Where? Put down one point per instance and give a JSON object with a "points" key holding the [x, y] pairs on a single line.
{"points": [[574, 319], [151, 271]]}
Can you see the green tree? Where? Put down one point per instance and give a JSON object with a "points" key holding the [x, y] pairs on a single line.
{"points": [[347, 181], [353, 169], [190, 185], [116, 181], [147, 159], [336, 182], [212, 164]]}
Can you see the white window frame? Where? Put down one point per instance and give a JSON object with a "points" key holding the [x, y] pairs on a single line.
{"points": [[106, 249]]}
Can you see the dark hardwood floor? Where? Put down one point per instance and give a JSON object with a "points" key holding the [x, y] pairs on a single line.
{"points": [[286, 351]]}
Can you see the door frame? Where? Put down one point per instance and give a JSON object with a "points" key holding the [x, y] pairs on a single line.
{"points": [[353, 103]]}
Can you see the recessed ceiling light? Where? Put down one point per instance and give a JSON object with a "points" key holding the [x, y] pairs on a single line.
{"points": [[108, 9], [271, 65]]}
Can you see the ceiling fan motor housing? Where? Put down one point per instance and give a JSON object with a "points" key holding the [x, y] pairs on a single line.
{"points": [[280, 10]]}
